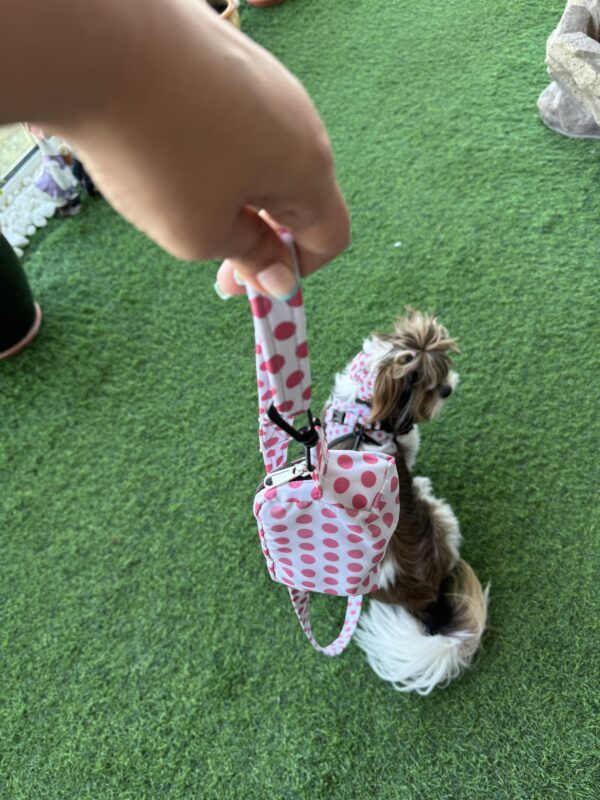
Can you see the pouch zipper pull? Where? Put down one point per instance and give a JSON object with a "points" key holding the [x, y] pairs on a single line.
{"points": [[285, 475]]}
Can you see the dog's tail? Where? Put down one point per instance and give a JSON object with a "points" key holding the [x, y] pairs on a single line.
{"points": [[418, 654]]}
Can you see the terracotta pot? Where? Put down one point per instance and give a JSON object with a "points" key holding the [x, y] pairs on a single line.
{"points": [[227, 10], [20, 316]]}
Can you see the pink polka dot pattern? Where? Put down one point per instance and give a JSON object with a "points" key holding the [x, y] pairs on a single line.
{"points": [[282, 365], [361, 375], [341, 485], [260, 306], [369, 479], [342, 417], [273, 365], [327, 533], [359, 501], [301, 602], [285, 330], [294, 379], [338, 533]]}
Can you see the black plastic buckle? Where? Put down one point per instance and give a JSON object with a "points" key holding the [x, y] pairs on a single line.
{"points": [[338, 416], [307, 436], [359, 434]]}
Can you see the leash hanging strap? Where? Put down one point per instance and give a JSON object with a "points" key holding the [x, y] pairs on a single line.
{"points": [[282, 365], [283, 380], [301, 603]]}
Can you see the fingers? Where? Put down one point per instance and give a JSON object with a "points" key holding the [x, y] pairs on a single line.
{"points": [[320, 234], [264, 259]]}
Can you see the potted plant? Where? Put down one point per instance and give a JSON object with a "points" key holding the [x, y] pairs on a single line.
{"points": [[20, 316], [227, 9]]}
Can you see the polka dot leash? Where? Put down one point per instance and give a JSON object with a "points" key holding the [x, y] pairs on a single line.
{"points": [[301, 603], [282, 366], [324, 522]]}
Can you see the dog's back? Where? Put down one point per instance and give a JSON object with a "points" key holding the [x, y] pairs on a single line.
{"points": [[425, 624]]}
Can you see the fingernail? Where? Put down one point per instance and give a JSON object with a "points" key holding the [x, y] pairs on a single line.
{"points": [[223, 295], [279, 281], [238, 278]]}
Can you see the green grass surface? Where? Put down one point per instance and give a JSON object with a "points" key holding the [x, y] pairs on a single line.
{"points": [[144, 651]]}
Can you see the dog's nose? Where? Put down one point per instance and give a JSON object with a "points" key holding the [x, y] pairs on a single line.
{"points": [[445, 391]]}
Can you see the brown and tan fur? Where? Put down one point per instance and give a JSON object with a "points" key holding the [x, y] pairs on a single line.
{"points": [[419, 361], [423, 577], [429, 580], [419, 551], [422, 572]]}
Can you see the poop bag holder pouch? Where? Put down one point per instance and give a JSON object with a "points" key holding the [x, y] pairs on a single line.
{"points": [[325, 520]]}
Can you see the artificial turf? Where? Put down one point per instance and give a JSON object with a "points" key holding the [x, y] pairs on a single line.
{"points": [[145, 653]]}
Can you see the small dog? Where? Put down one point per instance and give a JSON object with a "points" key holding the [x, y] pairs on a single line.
{"points": [[395, 382], [425, 623]]}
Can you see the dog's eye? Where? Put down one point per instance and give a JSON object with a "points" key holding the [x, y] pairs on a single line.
{"points": [[445, 391]]}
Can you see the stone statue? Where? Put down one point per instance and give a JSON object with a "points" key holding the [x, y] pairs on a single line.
{"points": [[571, 104]]}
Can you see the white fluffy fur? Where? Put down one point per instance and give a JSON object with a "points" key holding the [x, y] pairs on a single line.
{"points": [[400, 651], [453, 380], [443, 516], [397, 646]]}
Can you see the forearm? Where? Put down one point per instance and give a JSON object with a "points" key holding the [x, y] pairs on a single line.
{"points": [[64, 60], [185, 124], [51, 56]]}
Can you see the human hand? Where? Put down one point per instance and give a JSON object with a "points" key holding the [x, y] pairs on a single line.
{"points": [[196, 130]]}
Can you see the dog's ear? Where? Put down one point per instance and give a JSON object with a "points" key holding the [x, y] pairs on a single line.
{"points": [[391, 384]]}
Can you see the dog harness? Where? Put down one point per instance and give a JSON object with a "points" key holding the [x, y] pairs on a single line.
{"points": [[344, 419]]}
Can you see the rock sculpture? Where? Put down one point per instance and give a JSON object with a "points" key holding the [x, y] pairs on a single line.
{"points": [[571, 104]]}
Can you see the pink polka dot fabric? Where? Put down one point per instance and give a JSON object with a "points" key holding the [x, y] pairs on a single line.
{"points": [[327, 532], [282, 367], [301, 604], [343, 417], [362, 376]]}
